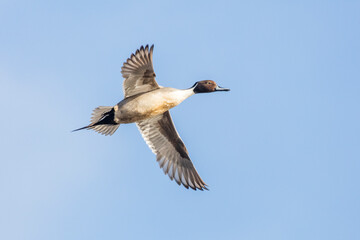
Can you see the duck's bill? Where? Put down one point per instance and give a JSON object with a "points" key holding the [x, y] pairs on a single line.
{"points": [[218, 88]]}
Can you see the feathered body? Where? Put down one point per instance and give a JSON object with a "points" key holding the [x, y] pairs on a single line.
{"points": [[150, 104]]}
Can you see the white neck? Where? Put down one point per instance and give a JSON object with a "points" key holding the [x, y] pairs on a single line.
{"points": [[185, 93], [179, 95]]}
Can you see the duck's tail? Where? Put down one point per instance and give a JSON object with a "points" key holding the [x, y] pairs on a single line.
{"points": [[102, 121]]}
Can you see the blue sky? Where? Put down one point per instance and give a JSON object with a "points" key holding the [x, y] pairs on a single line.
{"points": [[280, 152]]}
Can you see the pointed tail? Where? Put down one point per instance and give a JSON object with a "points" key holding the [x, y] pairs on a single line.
{"points": [[102, 121]]}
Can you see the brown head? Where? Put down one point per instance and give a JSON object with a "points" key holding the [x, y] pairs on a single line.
{"points": [[207, 86]]}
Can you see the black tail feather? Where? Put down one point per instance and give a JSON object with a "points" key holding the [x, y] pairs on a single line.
{"points": [[102, 121], [87, 127]]}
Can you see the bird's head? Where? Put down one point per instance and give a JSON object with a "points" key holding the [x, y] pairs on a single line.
{"points": [[207, 86]]}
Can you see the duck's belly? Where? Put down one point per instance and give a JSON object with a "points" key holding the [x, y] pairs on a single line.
{"points": [[145, 106]]}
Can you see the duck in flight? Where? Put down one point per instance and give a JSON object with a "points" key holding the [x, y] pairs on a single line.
{"points": [[147, 104]]}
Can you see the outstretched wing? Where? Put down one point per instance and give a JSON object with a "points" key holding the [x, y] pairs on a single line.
{"points": [[161, 136], [139, 73]]}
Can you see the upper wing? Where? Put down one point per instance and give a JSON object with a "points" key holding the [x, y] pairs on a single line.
{"points": [[160, 134], [139, 73]]}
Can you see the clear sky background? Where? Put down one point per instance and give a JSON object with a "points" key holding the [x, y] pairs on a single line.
{"points": [[280, 151]]}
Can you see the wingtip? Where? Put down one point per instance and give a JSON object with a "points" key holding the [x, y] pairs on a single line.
{"points": [[151, 52], [196, 188], [146, 47]]}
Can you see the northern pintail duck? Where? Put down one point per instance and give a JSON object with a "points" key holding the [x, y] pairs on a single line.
{"points": [[147, 104]]}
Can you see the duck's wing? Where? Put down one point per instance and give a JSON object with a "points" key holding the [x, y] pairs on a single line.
{"points": [[161, 136], [139, 73]]}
